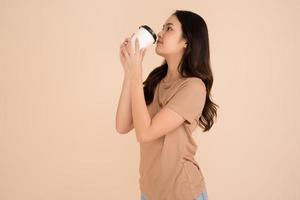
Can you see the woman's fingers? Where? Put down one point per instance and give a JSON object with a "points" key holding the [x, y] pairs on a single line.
{"points": [[125, 42], [125, 47], [128, 46], [125, 53]]}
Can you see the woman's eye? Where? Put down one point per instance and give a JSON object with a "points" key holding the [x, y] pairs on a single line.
{"points": [[167, 28]]}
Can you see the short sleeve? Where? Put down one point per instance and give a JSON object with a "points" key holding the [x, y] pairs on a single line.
{"points": [[189, 99]]}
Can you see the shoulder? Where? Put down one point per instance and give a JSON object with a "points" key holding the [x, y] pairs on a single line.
{"points": [[194, 83]]}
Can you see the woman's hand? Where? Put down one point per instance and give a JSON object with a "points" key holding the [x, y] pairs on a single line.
{"points": [[122, 57], [132, 58]]}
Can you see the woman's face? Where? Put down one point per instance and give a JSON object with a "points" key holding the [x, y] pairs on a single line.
{"points": [[170, 41]]}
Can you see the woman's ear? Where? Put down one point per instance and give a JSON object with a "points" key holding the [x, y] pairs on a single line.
{"points": [[185, 45]]}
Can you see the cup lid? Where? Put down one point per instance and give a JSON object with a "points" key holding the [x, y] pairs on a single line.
{"points": [[150, 31]]}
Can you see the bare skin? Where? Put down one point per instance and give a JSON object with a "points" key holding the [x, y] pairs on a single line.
{"points": [[124, 122], [172, 46]]}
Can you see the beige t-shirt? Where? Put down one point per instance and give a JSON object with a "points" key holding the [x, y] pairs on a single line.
{"points": [[168, 170]]}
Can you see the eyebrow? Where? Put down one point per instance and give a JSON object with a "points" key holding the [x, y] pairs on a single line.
{"points": [[168, 24]]}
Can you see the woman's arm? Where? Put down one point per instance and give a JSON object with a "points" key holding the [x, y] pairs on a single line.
{"points": [[124, 121]]}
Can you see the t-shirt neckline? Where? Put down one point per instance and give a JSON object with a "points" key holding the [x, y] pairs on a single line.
{"points": [[168, 84]]}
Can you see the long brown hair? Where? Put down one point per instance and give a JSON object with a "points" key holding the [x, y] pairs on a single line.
{"points": [[195, 62]]}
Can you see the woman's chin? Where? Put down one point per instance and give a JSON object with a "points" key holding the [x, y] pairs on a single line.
{"points": [[157, 50]]}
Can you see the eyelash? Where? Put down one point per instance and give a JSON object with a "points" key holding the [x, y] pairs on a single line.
{"points": [[167, 28]]}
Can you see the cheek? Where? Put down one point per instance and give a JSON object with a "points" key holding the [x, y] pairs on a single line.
{"points": [[168, 44], [171, 47]]}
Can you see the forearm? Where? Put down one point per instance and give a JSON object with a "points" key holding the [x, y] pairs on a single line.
{"points": [[140, 115], [124, 113]]}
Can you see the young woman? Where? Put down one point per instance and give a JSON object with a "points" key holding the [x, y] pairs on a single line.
{"points": [[168, 106]]}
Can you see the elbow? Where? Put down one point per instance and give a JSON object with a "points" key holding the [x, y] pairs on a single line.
{"points": [[120, 130], [139, 140], [141, 137]]}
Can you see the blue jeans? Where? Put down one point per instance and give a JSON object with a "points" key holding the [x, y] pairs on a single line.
{"points": [[202, 196]]}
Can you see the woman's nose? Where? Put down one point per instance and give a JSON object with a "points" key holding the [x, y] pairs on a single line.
{"points": [[159, 35]]}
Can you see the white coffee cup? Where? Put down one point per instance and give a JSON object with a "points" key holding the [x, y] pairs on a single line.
{"points": [[145, 35]]}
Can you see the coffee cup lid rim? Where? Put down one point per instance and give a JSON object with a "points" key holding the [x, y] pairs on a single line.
{"points": [[150, 31]]}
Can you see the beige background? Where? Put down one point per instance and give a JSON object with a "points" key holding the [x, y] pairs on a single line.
{"points": [[60, 80]]}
